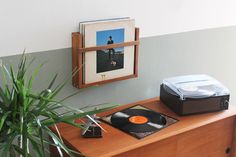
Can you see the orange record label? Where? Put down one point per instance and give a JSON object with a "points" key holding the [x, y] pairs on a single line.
{"points": [[138, 119]]}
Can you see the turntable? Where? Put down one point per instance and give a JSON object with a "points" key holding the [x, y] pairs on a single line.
{"points": [[193, 94], [139, 121]]}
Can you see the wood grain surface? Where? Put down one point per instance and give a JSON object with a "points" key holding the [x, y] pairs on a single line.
{"points": [[206, 134]]}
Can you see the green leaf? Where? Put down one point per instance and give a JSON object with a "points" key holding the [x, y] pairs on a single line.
{"points": [[3, 118], [4, 98], [36, 146], [6, 72], [27, 115], [20, 151], [33, 76], [7, 145], [56, 145], [69, 96], [52, 82], [66, 118], [57, 141], [41, 139], [74, 124]]}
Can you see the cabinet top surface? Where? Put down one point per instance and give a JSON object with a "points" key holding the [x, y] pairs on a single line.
{"points": [[115, 141]]}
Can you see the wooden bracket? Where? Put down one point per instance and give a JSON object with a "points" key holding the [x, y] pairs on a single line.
{"points": [[78, 53]]}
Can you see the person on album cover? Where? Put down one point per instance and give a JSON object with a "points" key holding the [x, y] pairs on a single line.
{"points": [[111, 52]]}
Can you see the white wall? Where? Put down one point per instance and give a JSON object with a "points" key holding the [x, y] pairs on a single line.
{"points": [[39, 25]]}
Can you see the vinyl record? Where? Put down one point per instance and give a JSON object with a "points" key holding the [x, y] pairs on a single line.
{"points": [[138, 120]]}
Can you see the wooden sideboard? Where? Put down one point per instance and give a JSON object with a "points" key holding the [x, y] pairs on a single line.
{"points": [[202, 135]]}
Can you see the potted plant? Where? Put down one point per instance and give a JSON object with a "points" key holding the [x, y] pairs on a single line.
{"points": [[25, 116]]}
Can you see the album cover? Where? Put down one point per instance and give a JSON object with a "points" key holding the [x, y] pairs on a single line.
{"points": [[111, 63], [82, 23], [139, 121]]}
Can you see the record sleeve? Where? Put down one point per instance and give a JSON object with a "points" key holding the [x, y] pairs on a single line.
{"points": [[139, 121], [112, 63]]}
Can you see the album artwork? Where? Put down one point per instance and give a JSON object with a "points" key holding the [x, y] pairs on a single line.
{"points": [[110, 63], [139, 121], [110, 59]]}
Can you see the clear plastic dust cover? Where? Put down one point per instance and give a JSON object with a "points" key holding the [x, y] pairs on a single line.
{"points": [[194, 86]]}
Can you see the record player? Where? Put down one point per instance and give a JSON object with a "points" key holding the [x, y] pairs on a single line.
{"points": [[192, 94]]}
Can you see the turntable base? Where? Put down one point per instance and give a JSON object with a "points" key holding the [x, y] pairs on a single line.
{"points": [[203, 135]]}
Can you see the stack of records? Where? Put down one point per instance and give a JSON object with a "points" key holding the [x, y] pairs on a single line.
{"points": [[109, 63]]}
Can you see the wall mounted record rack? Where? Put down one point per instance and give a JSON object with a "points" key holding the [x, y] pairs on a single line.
{"points": [[78, 61]]}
